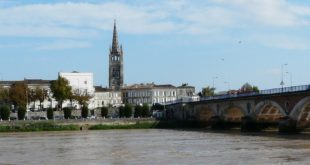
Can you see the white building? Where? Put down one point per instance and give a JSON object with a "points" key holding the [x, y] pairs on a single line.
{"points": [[81, 82], [149, 93], [106, 97]]}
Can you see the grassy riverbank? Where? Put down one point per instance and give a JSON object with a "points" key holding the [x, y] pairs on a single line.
{"points": [[37, 126], [76, 125]]}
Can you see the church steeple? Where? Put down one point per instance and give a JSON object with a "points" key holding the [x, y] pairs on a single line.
{"points": [[116, 69], [115, 47]]}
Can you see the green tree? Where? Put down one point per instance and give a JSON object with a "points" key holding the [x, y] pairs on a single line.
{"points": [[61, 90], [121, 112], [157, 106], [255, 89], [208, 91], [138, 111], [40, 95], [67, 112], [50, 113], [4, 95], [84, 111], [81, 97], [18, 94], [5, 112], [104, 111], [21, 113], [145, 110], [128, 110]]}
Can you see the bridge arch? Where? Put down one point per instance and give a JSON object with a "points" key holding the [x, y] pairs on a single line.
{"points": [[269, 111], [233, 113], [301, 112], [205, 112]]}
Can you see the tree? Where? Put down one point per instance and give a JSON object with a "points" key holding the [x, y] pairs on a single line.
{"points": [[5, 112], [4, 95], [127, 110], [208, 91], [157, 106], [121, 112], [84, 111], [138, 111], [104, 111], [21, 113], [61, 90], [145, 110], [41, 95], [248, 88], [255, 89], [18, 94], [67, 112], [81, 97], [50, 113]]}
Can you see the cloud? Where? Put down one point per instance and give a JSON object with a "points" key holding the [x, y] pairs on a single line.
{"points": [[213, 18], [281, 41], [65, 44]]}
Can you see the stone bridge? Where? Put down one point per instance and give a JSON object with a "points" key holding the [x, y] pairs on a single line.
{"points": [[288, 108]]}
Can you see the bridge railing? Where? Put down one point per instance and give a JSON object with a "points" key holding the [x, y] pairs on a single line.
{"points": [[261, 92], [285, 90]]}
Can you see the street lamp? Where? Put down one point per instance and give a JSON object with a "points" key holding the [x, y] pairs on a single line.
{"points": [[291, 78], [282, 82], [213, 78]]}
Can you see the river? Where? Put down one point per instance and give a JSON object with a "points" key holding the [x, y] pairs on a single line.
{"points": [[151, 146]]}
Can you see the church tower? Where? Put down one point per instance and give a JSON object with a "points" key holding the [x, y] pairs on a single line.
{"points": [[116, 69]]}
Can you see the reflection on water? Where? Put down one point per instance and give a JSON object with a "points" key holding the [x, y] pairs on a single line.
{"points": [[151, 147]]}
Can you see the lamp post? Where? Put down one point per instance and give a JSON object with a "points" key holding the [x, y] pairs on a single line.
{"points": [[291, 78], [282, 82]]}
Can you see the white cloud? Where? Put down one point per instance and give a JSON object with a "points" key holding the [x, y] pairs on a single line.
{"points": [[64, 44], [214, 17], [281, 41]]}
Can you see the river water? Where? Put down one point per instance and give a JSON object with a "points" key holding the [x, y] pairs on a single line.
{"points": [[151, 147]]}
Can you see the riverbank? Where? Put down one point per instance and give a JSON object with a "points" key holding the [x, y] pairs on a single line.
{"points": [[100, 124]]}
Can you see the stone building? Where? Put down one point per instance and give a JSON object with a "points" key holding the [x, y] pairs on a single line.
{"points": [[116, 64], [106, 97], [185, 91], [149, 93]]}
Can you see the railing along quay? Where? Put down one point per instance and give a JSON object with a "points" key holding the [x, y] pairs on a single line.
{"points": [[261, 92]]}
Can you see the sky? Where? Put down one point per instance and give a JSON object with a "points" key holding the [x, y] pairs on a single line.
{"points": [[224, 43]]}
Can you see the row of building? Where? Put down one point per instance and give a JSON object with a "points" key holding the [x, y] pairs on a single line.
{"points": [[149, 93]]}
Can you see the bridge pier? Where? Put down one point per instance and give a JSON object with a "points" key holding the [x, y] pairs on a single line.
{"points": [[217, 122], [287, 125], [248, 124]]}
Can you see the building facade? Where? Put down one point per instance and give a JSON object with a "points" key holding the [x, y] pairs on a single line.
{"points": [[149, 93], [116, 64], [185, 91], [81, 83], [106, 97]]}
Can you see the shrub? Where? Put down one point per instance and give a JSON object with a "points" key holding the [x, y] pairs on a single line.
{"points": [[84, 112], [50, 113], [138, 111], [21, 113], [145, 110], [121, 111], [104, 111], [128, 110], [67, 112], [5, 112]]}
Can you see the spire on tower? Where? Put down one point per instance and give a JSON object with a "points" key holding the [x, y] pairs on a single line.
{"points": [[115, 47]]}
